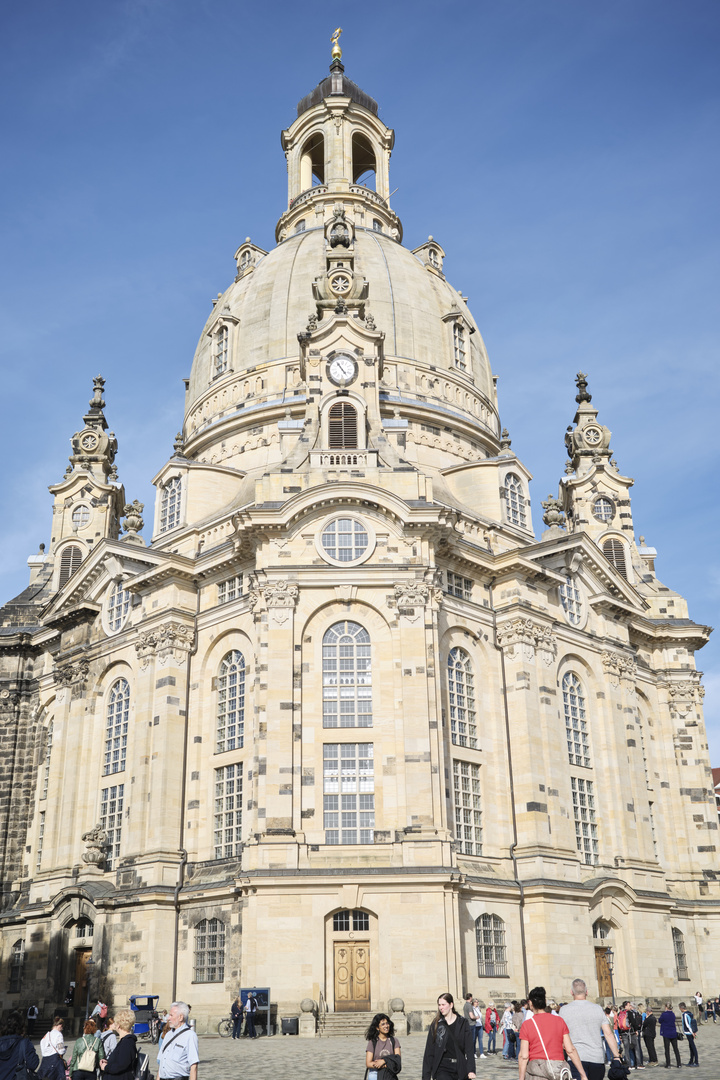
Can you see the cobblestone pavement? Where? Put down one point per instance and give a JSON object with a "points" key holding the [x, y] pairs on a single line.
{"points": [[287, 1056]]}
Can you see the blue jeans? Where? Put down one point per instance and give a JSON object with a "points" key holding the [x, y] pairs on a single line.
{"points": [[492, 1041], [692, 1048], [477, 1039], [508, 1048]]}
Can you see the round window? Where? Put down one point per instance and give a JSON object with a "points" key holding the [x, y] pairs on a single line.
{"points": [[603, 509], [81, 516], [345, 540]]}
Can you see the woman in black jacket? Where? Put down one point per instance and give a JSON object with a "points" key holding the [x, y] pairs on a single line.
{"points": [[449, 1047], [649, 1031], [15, 1049], [121, 1063]]}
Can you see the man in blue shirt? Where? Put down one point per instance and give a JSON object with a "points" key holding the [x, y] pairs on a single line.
{"points": [[178, 1057]]}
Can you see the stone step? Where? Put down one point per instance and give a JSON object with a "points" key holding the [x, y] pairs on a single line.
{"points": [[344, 1024]]}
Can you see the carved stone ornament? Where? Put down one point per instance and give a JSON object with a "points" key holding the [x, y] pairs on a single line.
{"points": [[280, 599], [618, 666], [411, 597], [684, 696], [170, 641], [554, 513], [521, 637], [72, 674], [96, 841], [8, 699], [133, 518], [338, 231]]}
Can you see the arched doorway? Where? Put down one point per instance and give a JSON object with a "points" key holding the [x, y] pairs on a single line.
{"points": [[351, 960]]}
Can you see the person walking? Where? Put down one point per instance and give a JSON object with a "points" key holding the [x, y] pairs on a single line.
{"points": [[449, 1046], [668, 1030], [590, 1032], [381, 1044], [545, 1038], [689, 1029], [179, 1055], [478, 1026], [491, 1025], [509, 1033], [52, 1048], [15, 1048], [250, 1010], [87, 1051], [237, 1017], [649, 1031]]}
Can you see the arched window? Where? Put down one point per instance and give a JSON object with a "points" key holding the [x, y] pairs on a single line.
{"points": [[118, 711], [17, 960], [363, 161], [81, 516], [46, 763], [70, 559], [209, 951], [571, 601], [680, 957], [514, 500], [459, 345], [170, 504], [601, 929], [220, 351], [603, 509], [312, 162], [231, 703], [118, 606], [347, 681], [377, 225], [343, 427], [468, 816], [461, 694], [491, 949], [351, 920], [575, 722], [84, 928], [614, 552]]}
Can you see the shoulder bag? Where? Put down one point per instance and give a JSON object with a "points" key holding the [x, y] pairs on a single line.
{"points": [[548, 1070]]}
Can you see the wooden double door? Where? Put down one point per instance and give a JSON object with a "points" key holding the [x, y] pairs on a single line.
{"points": [[603, 973], [352, 976]]}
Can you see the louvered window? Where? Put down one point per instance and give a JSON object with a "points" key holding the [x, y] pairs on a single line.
{"points": [[342, 427], [614, 552], [69, 562]]}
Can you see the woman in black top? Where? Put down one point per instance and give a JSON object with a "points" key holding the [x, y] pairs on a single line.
{"points": [[449, 1047], [121, 1063]]}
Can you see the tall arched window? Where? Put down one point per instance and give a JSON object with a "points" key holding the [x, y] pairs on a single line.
{"points": [[170, 504], [571, 601], [17, 959], [221, 350], [231, 703], [575, 722], [364, 165], [70, 560], [461, 695], [118, 606], [46, 762], [343, 427], [614, 552], [209, 951], [312, 162], [347, 681], [680, 957], [116, 731], [514, 500], [459, 345], [491, 949]]}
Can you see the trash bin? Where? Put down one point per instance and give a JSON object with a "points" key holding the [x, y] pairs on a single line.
{"points": [[289, 1025]]}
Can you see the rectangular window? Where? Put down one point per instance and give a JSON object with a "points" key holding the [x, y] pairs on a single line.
{"points": [[221, 350], [40, 838], [230, 589], [459, 345], [111, 812], [348, 793], [46, 764], [586, 831], [228, 811], [459, 586], [468, 820]]}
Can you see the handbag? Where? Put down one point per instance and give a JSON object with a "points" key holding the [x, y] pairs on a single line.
{"points": [[549, 1070]]}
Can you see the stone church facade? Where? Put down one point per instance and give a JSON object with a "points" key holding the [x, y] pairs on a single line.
{"points": [[343, 726]]}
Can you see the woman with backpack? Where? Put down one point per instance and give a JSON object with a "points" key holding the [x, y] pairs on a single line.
{"points": [[52, 1048], [381, 1043], [15, 1048], [86, 1053]]}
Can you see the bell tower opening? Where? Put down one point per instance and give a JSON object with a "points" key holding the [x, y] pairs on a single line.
{"points": [[342, 427], [312, 162], [364, 166]]}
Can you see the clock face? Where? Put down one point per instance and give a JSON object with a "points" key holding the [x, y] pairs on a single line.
{"points": [[89, 442], [342, 370]]}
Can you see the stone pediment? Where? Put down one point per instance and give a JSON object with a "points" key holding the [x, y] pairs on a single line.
{"points": [[112, 560], [578, 554]]}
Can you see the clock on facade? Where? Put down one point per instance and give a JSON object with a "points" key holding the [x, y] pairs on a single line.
{"points": [[342, 370]]}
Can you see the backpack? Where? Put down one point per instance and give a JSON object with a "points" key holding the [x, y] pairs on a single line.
{"points": [[622, 1020], [88, 1060], [103, 1011]]}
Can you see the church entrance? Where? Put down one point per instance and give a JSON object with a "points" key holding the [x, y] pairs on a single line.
{"points": [[352, 976], [81, 976], [603, 973]]}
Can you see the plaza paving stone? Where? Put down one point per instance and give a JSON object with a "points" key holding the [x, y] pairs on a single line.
{"points": [[287, 1056]]}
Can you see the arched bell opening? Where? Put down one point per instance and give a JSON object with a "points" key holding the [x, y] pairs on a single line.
{"points": [[364, 165], [312, 162]]}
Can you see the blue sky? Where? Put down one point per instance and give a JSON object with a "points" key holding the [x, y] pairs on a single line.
{"points": [[565, 154]]}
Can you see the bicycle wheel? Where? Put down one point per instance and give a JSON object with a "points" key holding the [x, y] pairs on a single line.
{"points": [[225, 1028]]}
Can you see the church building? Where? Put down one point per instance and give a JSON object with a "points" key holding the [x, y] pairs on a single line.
{"points": [[340, 724]]}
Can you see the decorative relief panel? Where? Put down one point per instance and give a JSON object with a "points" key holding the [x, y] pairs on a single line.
{"points": [[167, 642], [521, 637], [410, 598], [617, 666]]}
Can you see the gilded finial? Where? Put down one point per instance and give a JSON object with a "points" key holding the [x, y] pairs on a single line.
{"points": [[336, 52]]}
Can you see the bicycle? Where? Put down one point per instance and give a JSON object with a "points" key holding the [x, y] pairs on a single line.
{"points": [[225, 1028]]}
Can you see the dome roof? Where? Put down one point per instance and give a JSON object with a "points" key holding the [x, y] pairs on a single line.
{"points": [[270, 306]]}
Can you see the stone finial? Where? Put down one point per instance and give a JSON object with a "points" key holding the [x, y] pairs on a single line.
{"points": [[554, 514], [312, 322], [133, 522], [96, 401], [178, 445], [96, 841], [569, 467], [505, 440], [581, 383], [369, 322], [341, 307], [336, 51]]}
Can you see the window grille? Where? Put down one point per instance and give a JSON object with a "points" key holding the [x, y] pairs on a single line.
{"points": [[603, 510], [434, 259], [575, 722], [81, 516], [17, 961], [586, 834], [351, 920], [209, 951], [84, 929], [571, 601], [228, 812], [461, 694], [46, 763], [116, 731], [348, 793], [118, 606], [468, 818], [614, 552], [345, 539], [40, 838], [221, 350], [343, 427], [231, 703], [459, 586], [680, 957], [491, 948], [515, 501], [111, 812], [230, 589], [601, 929], [347, 678], [69, 562], [459, 345], [170, 504]]}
